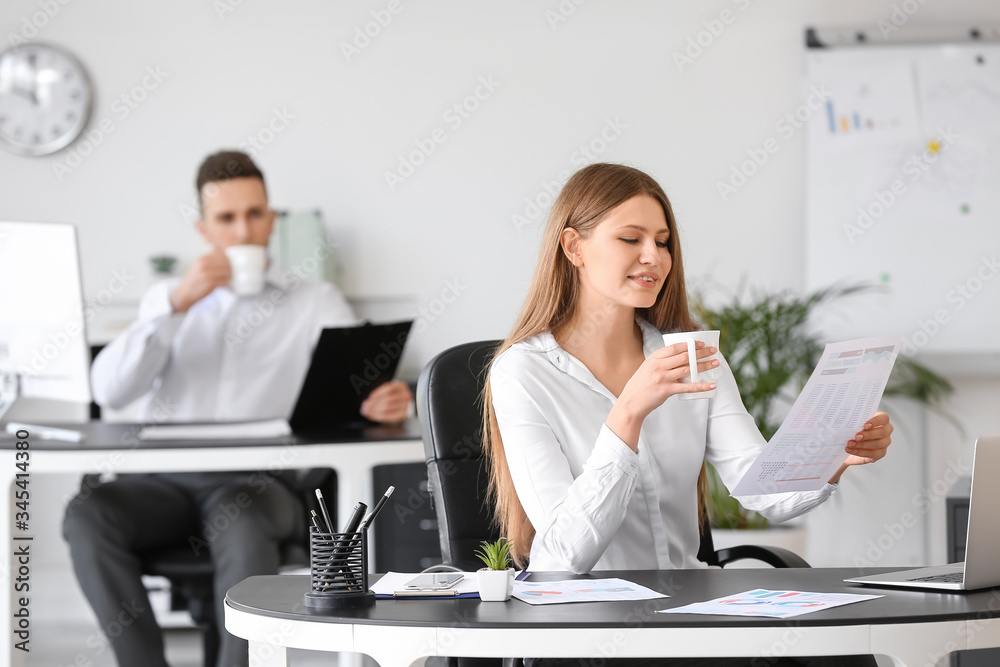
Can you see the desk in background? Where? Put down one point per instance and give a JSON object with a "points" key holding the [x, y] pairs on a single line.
{"points": [[116, 448]]}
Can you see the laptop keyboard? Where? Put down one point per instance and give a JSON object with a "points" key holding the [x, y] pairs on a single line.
{"points": [[950, 578]]}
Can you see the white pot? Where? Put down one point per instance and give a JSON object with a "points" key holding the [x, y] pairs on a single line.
{"points": [[495, 585]]}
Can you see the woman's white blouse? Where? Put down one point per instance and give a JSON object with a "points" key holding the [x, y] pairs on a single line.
{"points": [[596, 504]]}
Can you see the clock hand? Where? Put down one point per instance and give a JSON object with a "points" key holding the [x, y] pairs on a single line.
{"points": [[27, 93], [34, 78]]}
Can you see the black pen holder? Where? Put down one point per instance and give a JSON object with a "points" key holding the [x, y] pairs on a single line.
{"points": [[338, 564]]}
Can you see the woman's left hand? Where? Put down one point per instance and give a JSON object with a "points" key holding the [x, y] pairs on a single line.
{"points": [[871, 442]]}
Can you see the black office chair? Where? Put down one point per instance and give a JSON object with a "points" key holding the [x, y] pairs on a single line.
{"points": [[190, 574], [449, 407]]}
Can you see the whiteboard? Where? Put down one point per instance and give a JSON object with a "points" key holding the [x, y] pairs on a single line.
{"points": [[903, 191]]}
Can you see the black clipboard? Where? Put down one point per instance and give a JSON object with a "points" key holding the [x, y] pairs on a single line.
{"points": [[347, 364]]}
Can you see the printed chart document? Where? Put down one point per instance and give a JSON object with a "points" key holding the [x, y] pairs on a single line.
{"points": [[581, 590], [843, 392], [271, 428], [775, 604]]}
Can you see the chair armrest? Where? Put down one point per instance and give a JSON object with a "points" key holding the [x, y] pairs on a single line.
{"points": [[773, 556]]}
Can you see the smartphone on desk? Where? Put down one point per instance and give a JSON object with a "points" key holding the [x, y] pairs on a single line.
{"points": [[437, 581]]}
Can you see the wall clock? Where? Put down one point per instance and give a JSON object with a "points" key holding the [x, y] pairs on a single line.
{"points": [[45, 99]]}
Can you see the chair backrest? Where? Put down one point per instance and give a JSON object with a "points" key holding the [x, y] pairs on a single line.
{"points": [[449, 405]]}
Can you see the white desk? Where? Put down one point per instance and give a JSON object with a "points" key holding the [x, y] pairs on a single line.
{"points": [[115, 448], [914, 628]]}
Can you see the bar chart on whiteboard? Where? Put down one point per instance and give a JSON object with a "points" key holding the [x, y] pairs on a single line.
{"points": [[842, 393], [898, 196]]}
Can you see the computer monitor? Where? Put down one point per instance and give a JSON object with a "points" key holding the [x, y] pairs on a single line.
{"points": [[43, 342]]}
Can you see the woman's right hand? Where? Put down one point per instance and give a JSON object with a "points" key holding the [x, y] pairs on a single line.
{"points": [[657, 379]]}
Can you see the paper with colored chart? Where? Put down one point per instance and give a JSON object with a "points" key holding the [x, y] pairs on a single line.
{"points": [[773, 604], [843, 392], [581, 590]]}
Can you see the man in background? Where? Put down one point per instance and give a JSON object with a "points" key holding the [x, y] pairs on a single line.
{"points": [[176, 360]]}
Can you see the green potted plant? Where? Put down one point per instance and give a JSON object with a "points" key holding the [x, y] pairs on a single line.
{"points": [[163, 265], [772, 352], [496, 580]]}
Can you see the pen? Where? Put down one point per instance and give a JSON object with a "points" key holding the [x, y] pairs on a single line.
{"points": [[46, 432], [355, 520], [326, 512], [344, 547], [315, 520], [378, 507]]}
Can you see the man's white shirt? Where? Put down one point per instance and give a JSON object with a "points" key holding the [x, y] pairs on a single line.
{"points": [[228, 358]]}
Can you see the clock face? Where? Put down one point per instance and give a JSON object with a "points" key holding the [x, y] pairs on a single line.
{"points": [[45, 99]]}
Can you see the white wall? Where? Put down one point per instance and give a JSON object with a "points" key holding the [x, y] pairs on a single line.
{"points": [[452, 221]]}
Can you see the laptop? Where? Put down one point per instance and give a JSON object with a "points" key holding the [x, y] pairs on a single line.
{"points": [[347, 364], [981, 568]]}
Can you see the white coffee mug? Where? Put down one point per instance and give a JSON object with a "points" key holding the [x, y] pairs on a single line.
{"points": [[711, 339], [247, 263]]}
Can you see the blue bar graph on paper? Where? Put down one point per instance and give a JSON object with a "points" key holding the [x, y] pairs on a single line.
{"points": [[831, 117], [766, 594]]}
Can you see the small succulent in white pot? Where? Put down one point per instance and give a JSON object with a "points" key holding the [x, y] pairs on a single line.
{"points": [[496, 580]]}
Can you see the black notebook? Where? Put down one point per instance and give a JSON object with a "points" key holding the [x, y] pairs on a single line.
{"points": [[347, 364]]}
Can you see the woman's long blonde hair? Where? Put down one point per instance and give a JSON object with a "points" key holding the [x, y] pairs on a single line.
{"points": [[586, 200]]}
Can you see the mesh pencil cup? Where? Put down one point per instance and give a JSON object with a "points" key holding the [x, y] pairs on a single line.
{"points": [[338, 570]]}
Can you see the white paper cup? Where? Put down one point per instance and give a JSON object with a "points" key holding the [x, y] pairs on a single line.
{"points": [[247, 263], [711, 339]]}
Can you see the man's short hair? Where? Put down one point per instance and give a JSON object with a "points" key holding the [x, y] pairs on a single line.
{"points": [[223, 166]]}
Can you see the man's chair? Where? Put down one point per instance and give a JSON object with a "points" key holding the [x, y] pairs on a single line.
{"points": [[190, 574], [449, 395]]}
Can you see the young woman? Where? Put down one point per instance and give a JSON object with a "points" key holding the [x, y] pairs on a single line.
{"points": [[593, 466]]}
